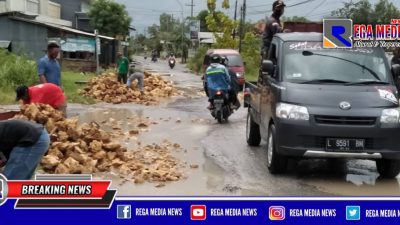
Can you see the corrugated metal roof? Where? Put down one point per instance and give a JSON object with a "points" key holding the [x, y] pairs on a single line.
{"points": [[68, 29], [5, 44]]}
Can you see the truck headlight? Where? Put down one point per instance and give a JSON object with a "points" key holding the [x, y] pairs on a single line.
{"points": [[292, 112], [390, 116]]}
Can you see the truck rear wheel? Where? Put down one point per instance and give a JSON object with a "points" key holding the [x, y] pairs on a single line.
{"points": [[277, 163], [252, 131], [388, 168]]}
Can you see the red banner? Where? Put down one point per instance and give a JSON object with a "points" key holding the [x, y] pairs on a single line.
{"points": [[57, 189]]}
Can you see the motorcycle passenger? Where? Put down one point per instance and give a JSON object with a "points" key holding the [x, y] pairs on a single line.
{"points": [[217, 79], [235, 103]]}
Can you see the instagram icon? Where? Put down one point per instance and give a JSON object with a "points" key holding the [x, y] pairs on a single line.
{"points": [[276, 213]]}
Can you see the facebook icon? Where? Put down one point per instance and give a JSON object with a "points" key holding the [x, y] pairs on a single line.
{"points": [[123, 212]]}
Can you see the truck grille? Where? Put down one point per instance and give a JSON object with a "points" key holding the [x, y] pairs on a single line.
{"points": [[345, 120]]}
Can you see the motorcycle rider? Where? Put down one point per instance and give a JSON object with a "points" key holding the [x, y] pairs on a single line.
{"points": [[216, 79], [154, 55], [235, 103], [273, 25], [171, 57]]}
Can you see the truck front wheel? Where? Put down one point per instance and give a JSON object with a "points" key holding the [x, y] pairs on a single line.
{"points": [[277, 163], [388, 168], [252, 131]]}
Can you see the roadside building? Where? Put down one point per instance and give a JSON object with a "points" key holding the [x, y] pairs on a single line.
{"points": [[31, 24]]}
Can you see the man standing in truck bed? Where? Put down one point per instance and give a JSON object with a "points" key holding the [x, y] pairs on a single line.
{"points": [[273, 25]]}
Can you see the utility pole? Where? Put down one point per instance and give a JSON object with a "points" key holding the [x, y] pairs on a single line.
{"points": [[183, 24], [235, 17], [242, 23], [98, 51], [192, 5]]}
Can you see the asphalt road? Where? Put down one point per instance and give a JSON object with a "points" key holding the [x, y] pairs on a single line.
{"points": [[230, 167], [227, 166]]}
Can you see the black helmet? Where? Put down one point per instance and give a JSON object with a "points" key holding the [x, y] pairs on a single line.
{"points": [[215, 58], [225, 61]]}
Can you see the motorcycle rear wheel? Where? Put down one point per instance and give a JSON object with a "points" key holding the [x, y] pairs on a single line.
{"points": [[220, 117]]}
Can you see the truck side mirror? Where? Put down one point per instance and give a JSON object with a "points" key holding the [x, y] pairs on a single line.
{"points": [[268, 67], [396, 71]]}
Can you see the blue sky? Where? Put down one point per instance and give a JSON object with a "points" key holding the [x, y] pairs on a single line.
{"points": [[146, 12]]}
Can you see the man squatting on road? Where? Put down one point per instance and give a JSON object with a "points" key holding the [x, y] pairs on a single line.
{"points": [[136, 74], [22, 146]]}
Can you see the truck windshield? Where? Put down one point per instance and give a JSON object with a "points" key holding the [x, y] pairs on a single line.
{"points": [[308, 62]]}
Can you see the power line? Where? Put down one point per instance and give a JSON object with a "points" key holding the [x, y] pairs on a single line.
{"points": [[191, 10], [289, 6], [261, 5], [316, 7]]}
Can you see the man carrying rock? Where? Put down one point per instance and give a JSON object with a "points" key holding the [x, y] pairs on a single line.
{"points": [[47, 93], [136, 74], [22, 147]]}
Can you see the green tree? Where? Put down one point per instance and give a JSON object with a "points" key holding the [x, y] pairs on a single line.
{"points": [[385, 11], [203, 22], [167, 22], [222, 26], [362, 12], [109, 17]]}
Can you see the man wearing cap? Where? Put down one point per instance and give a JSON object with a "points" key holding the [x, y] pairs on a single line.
{"points": [[273, 25], [123, 67], [47, 93]]}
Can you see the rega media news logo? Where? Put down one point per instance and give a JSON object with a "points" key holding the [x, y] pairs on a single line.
{"points": [[338, 33]]}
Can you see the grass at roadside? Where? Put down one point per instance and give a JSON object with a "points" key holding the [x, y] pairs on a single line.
{"points": [[7, 94], [71, 88]]}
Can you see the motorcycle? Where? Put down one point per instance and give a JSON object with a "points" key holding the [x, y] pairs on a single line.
{"points": [[222, 109], [171, 63]]}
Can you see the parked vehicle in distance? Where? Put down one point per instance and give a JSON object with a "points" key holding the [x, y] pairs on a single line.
{"points": [[312, 102], [236, 63]]}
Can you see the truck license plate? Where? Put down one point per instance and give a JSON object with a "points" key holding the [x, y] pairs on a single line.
{"points": [[339, 144]]}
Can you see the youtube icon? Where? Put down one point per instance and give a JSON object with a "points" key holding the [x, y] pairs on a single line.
{"points": [[198, 212]]}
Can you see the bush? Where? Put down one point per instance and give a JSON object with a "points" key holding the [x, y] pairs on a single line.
{"points": [[251, 55], [16, 70], [195, 63]]}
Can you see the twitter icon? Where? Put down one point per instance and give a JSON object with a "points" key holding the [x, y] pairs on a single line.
{"points": [[353, 212]]}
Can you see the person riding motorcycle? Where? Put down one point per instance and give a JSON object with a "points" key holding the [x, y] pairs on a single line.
{"points": [[273, 25], [233, 93], [171, 56], [154, 55], [216, 79]]}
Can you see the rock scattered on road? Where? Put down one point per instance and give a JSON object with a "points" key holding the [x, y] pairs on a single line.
{"points": [[106, 88], [86, 149]]}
